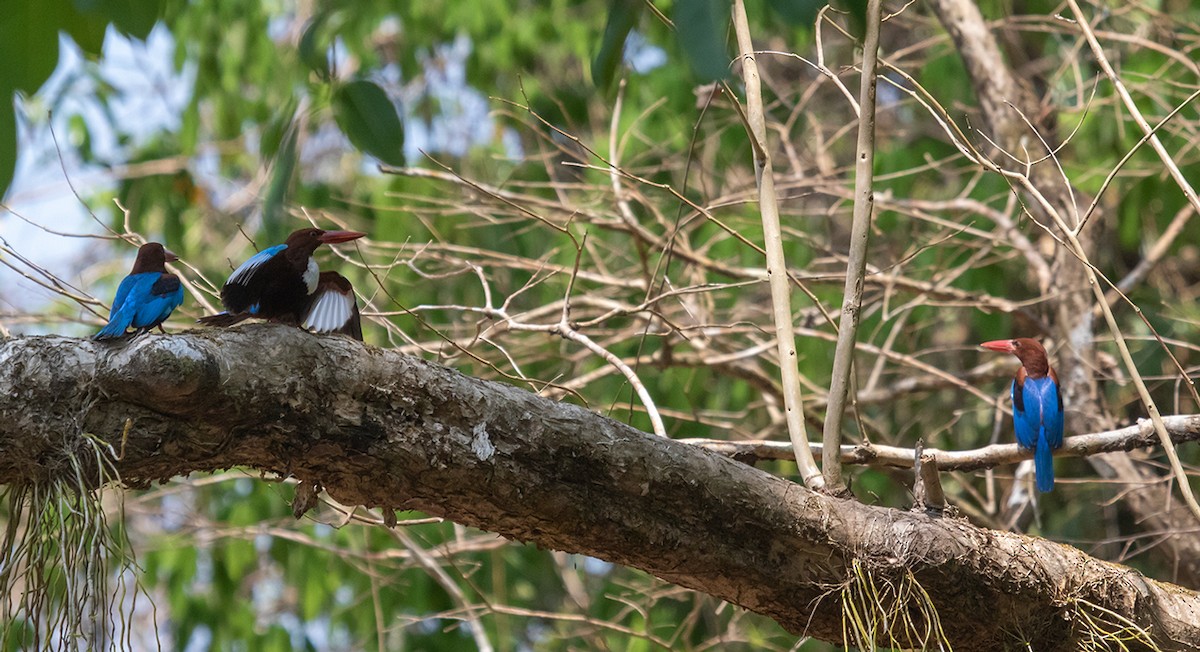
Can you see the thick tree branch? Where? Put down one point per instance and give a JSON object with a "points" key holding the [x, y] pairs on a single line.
{"points": [[378, 428]]}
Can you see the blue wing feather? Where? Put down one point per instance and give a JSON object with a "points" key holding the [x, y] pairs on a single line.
{"points": [[1026, 414], [161, 299], [143, 301], [1053, 414], [246, 269], [1038, 422], [127, 283], [122, 314]]}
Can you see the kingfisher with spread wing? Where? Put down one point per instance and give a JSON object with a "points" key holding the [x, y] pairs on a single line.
{"points": [[284, 284]]}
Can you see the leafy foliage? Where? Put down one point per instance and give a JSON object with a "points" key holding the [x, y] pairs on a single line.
{"points": [[369, 119], [29, 47]]}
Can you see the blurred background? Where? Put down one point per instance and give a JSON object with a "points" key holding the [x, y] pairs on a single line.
{"points": [[514, 159]]}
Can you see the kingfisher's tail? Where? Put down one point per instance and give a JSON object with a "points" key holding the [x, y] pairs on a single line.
{"points": [[117, 323], [223, 319], [112, 331], [1043, 465]]}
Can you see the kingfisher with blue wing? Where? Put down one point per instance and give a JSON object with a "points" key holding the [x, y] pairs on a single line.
{"points": [[147, 296], [1037, 405]]}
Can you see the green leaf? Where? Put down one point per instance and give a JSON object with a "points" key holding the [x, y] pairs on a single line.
{"points": [[369, 119], [276, 129], [239, 558], [86, 29], [81, 138], [132, 17], [313, 47], [29, 44], [8, 143], [703, 26], [797, 12], [315, 597], [189, 129], [857, 9], [622, 16], [283, 169]]}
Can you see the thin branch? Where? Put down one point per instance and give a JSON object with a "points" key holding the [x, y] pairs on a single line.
{"points": [[777, 276], [860, 231], [1188, 191], [1183, 428], [564, 329], [1159, 249], [426, 561]]}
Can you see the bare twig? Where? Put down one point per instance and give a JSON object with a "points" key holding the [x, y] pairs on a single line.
{"points": [[781, 302], [1159, 249], [439, 575], [1071, 234], [864, 201], [1182, 428]]}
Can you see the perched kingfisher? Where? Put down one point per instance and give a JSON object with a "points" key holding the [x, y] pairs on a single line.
{"points": [[278, 283], [1037, 405], [333, 308], [147, 296]]}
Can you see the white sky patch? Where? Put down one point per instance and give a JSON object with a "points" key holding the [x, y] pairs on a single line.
{"points": [[641, 55]]}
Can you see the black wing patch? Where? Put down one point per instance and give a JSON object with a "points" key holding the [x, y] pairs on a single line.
{"points": [[166, 284]]}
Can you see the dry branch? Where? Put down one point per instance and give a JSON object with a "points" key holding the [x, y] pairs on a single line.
{"points": [[777, 277], [1183, 428], [856, 263], [378, 428]]}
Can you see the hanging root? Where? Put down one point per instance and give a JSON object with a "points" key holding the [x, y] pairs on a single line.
{"points": [[64, 572], [1101, 629], [895, 613]]}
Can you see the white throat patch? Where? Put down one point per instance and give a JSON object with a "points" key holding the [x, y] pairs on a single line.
{"points": [[311, 275]]}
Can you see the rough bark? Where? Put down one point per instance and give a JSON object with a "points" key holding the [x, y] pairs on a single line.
{"points": [[378, 428]]}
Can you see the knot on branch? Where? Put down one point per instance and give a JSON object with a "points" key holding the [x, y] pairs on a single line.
{"points": [[161, 372]]}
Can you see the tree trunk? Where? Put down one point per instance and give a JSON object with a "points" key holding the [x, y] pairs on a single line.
{"points": [[378, 428]]}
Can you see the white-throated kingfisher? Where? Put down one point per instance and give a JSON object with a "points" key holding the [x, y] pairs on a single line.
{"points": [[147, 296], [1037, 405], [278, 283]]}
